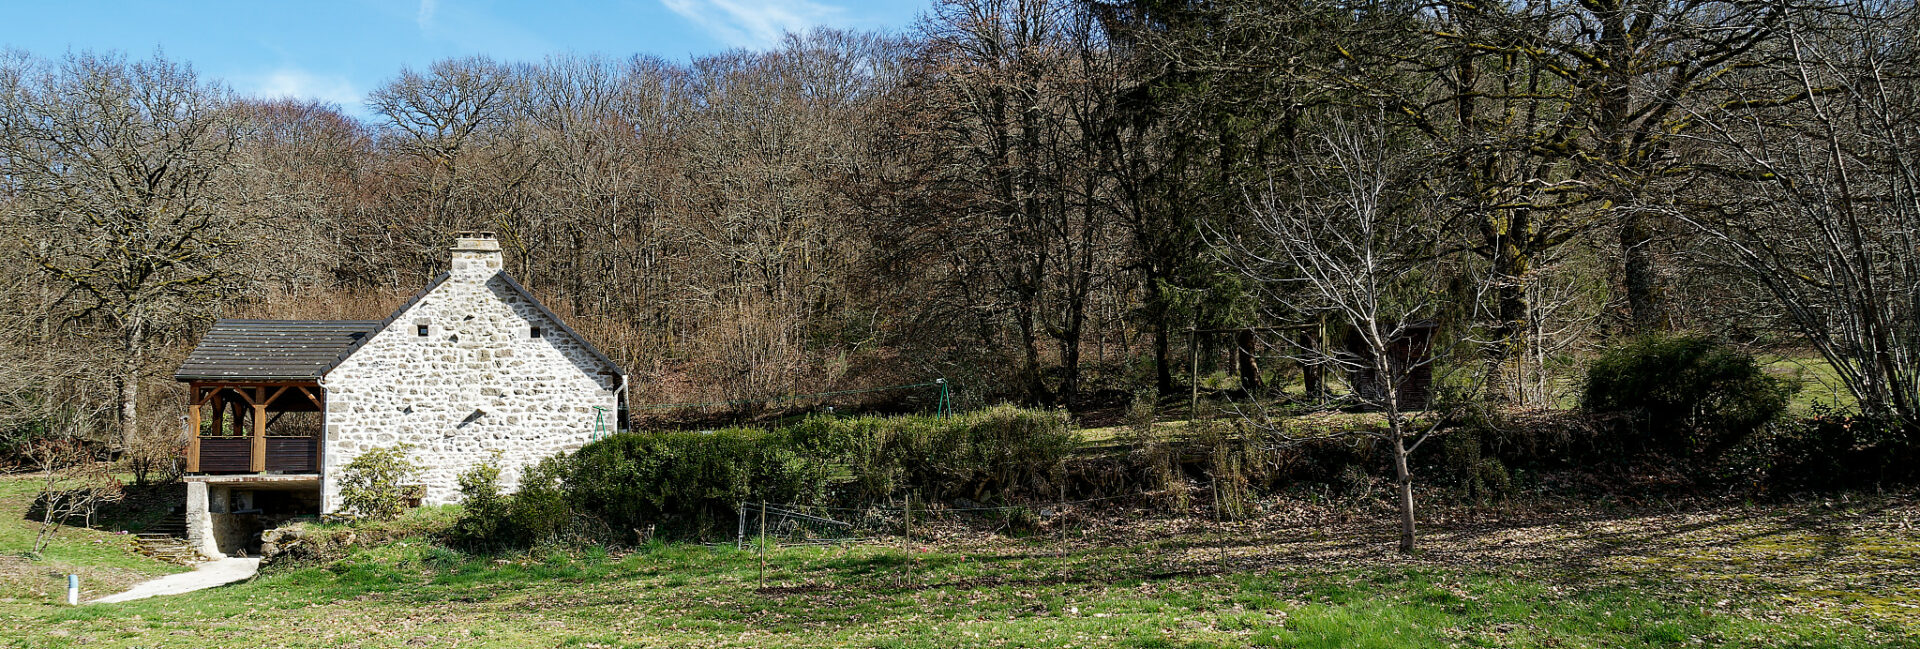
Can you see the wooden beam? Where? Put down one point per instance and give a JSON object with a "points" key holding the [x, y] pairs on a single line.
{"points": [[259, 430], [200, 397], [193, 438], [311, 397], [216, 410]]}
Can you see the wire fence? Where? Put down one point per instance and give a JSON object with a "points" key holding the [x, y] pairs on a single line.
{"points": [[765, 527], [790, 524]]}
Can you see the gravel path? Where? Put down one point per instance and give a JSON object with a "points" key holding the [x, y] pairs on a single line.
{"points": [[205, 575]]}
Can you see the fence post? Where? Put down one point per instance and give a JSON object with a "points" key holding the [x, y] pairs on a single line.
{"points": [[740, 532], [763, 545], [907, 542], [1193, 350]]}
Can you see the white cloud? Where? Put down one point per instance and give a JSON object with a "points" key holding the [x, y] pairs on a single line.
{"points": [[295, 83], [752, 23], [427, 9]]}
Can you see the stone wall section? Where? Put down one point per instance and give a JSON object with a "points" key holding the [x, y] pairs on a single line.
{"points": [[479, 381]]}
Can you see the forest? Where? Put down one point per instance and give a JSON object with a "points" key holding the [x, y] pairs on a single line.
{"points": [[1059, 203]]}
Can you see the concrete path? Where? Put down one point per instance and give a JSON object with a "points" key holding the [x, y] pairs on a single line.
{"points": [[205, 575]]}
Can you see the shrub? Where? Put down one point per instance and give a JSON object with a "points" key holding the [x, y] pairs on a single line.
{"points": [[1464, 464], [1832, 450], [374, 486], [1686, 397], [692, 482], [483, 508], [541, 511], [994, 454]]}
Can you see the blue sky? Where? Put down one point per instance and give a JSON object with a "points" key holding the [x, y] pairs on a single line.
{"points": [[338, 50]]}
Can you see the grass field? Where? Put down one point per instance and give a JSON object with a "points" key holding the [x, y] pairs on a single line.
{"points": [[1820, 575], [105, 558], [1819, 384]]}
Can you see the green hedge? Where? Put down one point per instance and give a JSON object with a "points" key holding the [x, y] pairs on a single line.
{"points": [[1686, 397], [691, 482]]}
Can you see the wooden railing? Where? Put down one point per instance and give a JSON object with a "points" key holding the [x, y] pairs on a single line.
{"points": [[237, 454]]}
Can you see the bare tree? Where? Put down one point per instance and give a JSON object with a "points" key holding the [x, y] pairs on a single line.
{"points": [[1821, 188], [1358, 240], [74, 483], [122, 171]]}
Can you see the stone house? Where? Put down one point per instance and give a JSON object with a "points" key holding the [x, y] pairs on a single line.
{"points": [[471, 366]]}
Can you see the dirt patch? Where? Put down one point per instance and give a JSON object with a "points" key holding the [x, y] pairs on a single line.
{"points": [[1854, 557]]}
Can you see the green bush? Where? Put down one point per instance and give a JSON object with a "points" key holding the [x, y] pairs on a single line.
{"points": [[690, 483], [690, 479], [483, 508], [541, 511], [1833, 450], [1686, 397], [375, 485]]}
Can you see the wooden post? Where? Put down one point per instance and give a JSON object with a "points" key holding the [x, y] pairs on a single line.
{"points": [[1060, 522], [907, 544], [259, 430], [763, 545], [1193, 351], [193, 438], [319, 441], [219, 425]]}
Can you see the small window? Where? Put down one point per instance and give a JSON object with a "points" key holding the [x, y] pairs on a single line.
{"points": [[423, 330], [536, 333]]}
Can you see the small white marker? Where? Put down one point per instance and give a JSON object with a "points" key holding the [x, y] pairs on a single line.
{"points": [[73, 590]]}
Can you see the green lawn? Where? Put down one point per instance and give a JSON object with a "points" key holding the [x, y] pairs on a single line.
{"points": [[104, 558], [1819, 383], [1813, 576]]}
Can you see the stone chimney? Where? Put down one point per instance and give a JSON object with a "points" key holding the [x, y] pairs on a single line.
{"points": [[476, 256]]}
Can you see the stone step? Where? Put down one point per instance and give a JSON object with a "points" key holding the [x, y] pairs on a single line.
{"points": [[166, 540]]}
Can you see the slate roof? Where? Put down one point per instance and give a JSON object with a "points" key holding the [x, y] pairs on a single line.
{"points": [[274, 350], [524, 294]]}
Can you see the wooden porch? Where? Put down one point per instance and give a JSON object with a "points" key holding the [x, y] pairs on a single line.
{"points": [[236, 427]]}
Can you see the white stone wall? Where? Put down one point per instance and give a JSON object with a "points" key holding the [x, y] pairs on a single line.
{"points": [[478, 381]]}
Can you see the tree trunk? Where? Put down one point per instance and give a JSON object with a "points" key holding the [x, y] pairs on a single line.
{"points": [[1070, 364], [1512, 260], [1162, 372], [1314, 375], [133, 339], [1245, 344], [1643, 292], [1031, 381], [1397, 427], [1405, 478]]}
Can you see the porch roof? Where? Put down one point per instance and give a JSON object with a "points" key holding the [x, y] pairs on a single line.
{"points": [[274, 350]]}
